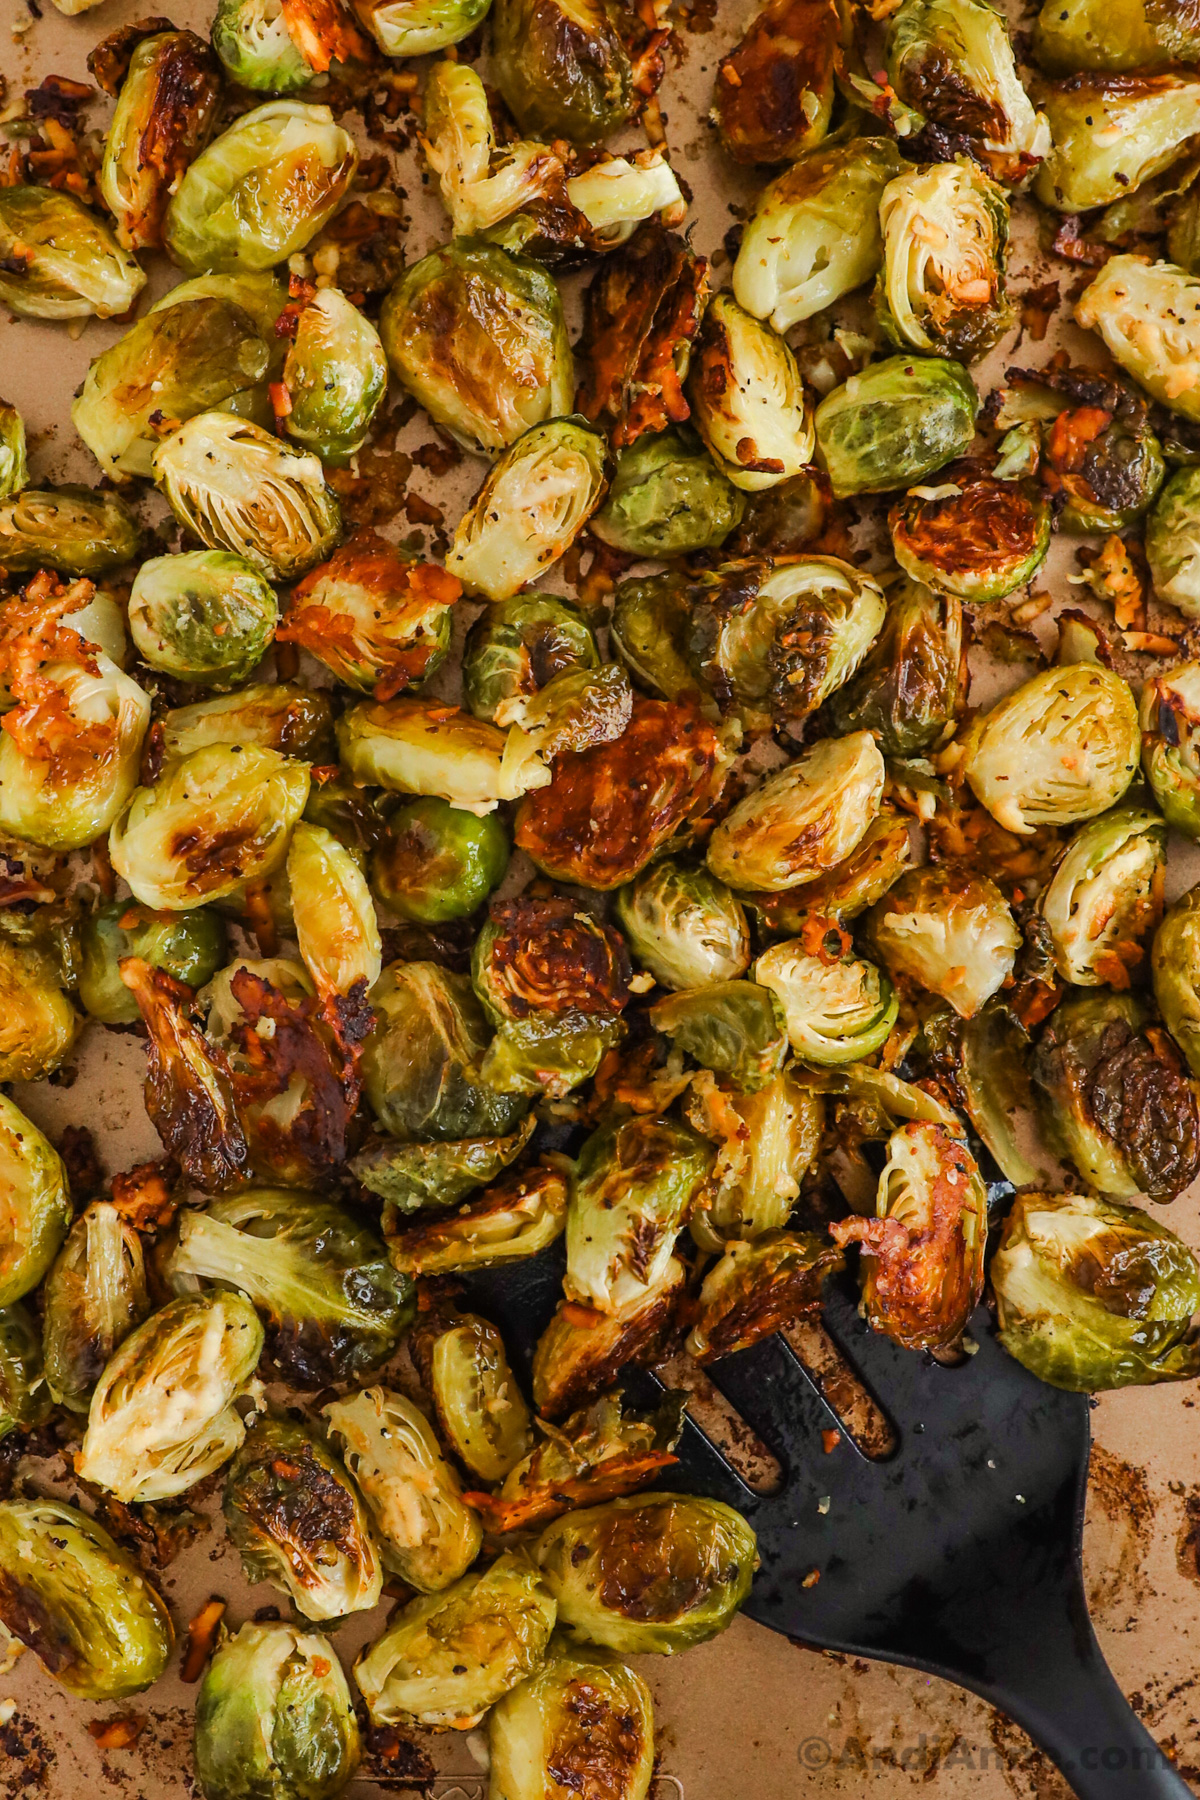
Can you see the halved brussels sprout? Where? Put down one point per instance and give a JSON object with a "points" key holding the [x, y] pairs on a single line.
{"points": [[684, 926], [549, 1055], [1105, 898], [896, 422], [1062, 747], [297, 1520], [445, 1659], [416, 27], [256, 47], [438, 862], [1093, 1296], [517, 1218], [238, 488], [583, 1719], [165, 113], [94, 1296], [776, 88], [1104, 466], [413, 1178], [519, 646], [1173, 542], [427, 747], [1175, 965], [758, 1288], [922, 1267], [1097, 34], [1111, 134], [582, 1352], [573, 713], [378, 620], [803, 820], [949, 931], [530, 509], [878, 859], [908, 687], [38, 1024], [480, 1408], [480, 184], [334, 914], [291, 720], [945, 241], [547, 955], [667, 498], [35, 1205], [25, 1400], [14, 468], [748, 399], [479, 339], [76, 530], [274, 1716], [335, 1308], [562, 70], [57, 261], [1115, 1098], [213, 820], [261, 190], [1149, 317], [336, 376], [766, 1142], [1170, 720], [634, 1185], [733, 1028], [971, 535], [652, 1575], [204, 616], [427, 1534], [642, 310], [815, 232], [79, 1602], [838, 1008], [162, 1415]]}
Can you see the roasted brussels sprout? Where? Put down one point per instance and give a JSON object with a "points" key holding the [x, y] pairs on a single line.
{"points": [[563, 72], [1115, 1098], [776, 88], [14, 469], [25, 1400], [731, 1027], [335, 1309], [517, 1218], [573, 713], [199, 1352], [815, 232], [213, 820], [584, 1718], [165, 112], [648, 629], [205, 616], [766, 1142], [694, 1562], [413, 1178], [1173, 542], [518, 646], [292, 720], [416, 27], [1104, 900], [748, 398], [426, 747], [881, 855], [634, 1185], [642, 310], [76, 530], [1111, 134], [336, 376], [445, 1659], [35, 1205], [908, 686], [298, 1521], [438, 862], [479, 339], [667, 498], [481, 184], [948, 930], [1106, 467], [1175, 965], [684, 926], [333, 912], [94, 1297], [531, 508], [895, 423], [238, 488], [38, 1024], [78, 1602], [923, 1251], [803, 820], [378, 620], [838, 1009], [57, 261], [480, 1408], [971, 536], [262, 190], [1149, 317], [1092, 1296], [581, 1353], [1094, 34], [1170, 719], [945, 241], [257, 49], [757, 1288], [274, 1716]]}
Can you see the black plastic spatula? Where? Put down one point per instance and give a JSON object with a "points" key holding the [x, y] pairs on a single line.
{"points": [[960, 1554]]}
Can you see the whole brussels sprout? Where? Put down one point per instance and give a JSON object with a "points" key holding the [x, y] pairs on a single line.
{"points": [[238, 488], [766, 1142], [336, 376], [684, 926], [1170, 720], [1149, 317], [427, 1535], [480, 1408], [648, 629], [1104, 900], [78, 1602], [776, 88], [25, 1400], [695, 1560], [215, 819], [1173, 542], [584, 1717], [1096, 34], [1114, 1097], [275, 1718], [758, 1288], [971, 536], [634, 1185], [334, 1307], [416, 27], [948, 930], [531, 508], [815, 232], [413, 1178], [667, 498], [563, 72], [162, 1415], [446, 1658], [1062, 747], [290, 720], [94, 1296], [333, 912], [438, 862], [945, 241], [517, 647], [1111, 134], [35, 1205], [298, 1521], [204, 616], [165, 113], [748, 398], [14, 469], [895, 423], [479, 339], [57, 261], [581, 1354], [733, 1028], [426, 747], [517, 1218], [38, 1024], [262, 190], [1175, 965], [837, 1009], [263, 295], [922, 1268], [803, 820], [378, 620], [256, 47], [907, 688], [73, 529], [1092, 1296], [1107, 473]]}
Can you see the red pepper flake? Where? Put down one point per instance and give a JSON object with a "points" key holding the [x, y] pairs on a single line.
{"points": [[117, 1734], [830, 1441], [201, 1636]]}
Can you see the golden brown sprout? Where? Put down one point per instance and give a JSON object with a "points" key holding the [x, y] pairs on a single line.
{"points": [[165, 112], [641, 312], [758, 1288], [775, 90], [582, 1351], [518, 1217]]}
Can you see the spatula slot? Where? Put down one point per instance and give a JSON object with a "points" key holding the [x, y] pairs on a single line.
{"points": [[855, 1408], [723, 1426]]}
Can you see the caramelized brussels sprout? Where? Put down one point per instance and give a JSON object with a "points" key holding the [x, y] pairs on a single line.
{"points": [[1102, 463], [1148, 316], [766, 1142], [76, 530], [25, 1400], [297, 1521], [971, 536], [1175, 966], [165, 112], [480, 1408], [907, 689], [1093, 1296], [274, 1716], [292, 720], [530, 509], [378, 620], [1104, 900], [334, 914], [162, 1415], [204, 616], [694, 1561], [776, 87], [757, 1288], [479, 339], [895, 423], [949, 931], [648, 629], [57, 261], [642, 310], [838, 1009], [262, 190], [1173, 542], [922, 1270], [445, 1659], [580, 1355], [562, 71], [438, 862], [481, 184], [416, 27], [731, 1027], [426, 747], [748, 398], [1170, 719], [684, 926], [945, 242], [412, 1178], [815, 232], [35, 1205], [336, 376], [94, 1296], [517, 1218], [803, 820], [1095, 34], [634, 1185], [1115, 1099], [238, 488], [14, 468], [38, 1024], [667, 498], [78, 1602], [878, 859], [518, 646], [573, 713], [584, 1718], [1111, 134]]}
